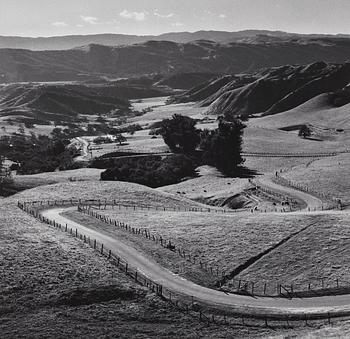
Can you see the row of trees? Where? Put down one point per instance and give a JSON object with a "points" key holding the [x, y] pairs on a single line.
{"points": [[220, 147]]}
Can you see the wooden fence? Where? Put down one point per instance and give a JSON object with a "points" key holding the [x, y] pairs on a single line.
{"points": [[332, 202], [240, 286], [189, 304], [103, 203]]}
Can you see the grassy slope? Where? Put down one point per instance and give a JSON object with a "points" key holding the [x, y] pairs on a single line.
{"points": [[22, 182], [210, 184], [316, 111], [322, 251], [223, 241], [122, 192], [257, 139], [329, 175]]}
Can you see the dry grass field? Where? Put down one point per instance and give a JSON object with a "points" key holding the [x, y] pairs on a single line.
{"points": [[328, 175], [269, 165], [320, 252], [22, 182], [123, 192], [163, 112], [223, 241], [317, 111], [257, 139], [210, 184]]}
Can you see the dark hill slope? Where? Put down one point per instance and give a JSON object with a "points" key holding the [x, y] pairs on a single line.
{"points": [[203, 90], [185, 80], [167, 58], [278, 89], [58, 102]]}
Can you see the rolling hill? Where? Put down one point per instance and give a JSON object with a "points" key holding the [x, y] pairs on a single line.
{"points": [[41, 103], [167, 58], [272, 90], [327, 110]]}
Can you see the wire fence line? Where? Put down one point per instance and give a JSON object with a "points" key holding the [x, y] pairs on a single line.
{"points": [[189, 304], [290, 155], [104, 203], [163, 241], [333, 202], [225, 281]]}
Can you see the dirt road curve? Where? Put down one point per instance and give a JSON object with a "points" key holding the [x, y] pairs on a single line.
{"points": [[257, 305], [311, 201]]}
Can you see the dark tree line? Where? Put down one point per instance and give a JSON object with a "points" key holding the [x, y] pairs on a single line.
{"points": [[153, 172]]}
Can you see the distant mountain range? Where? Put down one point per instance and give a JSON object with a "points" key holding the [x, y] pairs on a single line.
{"points": [[72, 41], [93, 62]]}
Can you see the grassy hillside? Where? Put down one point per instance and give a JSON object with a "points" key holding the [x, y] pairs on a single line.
{"points": [[319, 111], [43, 102], [280, 89]]}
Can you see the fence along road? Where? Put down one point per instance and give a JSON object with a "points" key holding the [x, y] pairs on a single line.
{"points": [[255, 305]]}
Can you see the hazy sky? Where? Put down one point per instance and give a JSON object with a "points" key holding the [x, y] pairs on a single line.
{"points": [[63, 17]]}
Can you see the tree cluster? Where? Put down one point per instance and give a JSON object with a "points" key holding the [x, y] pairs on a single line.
{"points": [[153, 172], [37, 153], [180, 134], [221, 147]]}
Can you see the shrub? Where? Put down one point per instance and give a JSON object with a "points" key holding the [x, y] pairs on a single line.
{"points": [[153, 173]]}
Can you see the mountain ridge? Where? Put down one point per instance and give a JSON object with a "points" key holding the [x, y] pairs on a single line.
{"points": [[93, 61], [112, 39]]}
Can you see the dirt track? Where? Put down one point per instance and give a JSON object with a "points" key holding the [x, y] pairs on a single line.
{"points": [[256, 305]]}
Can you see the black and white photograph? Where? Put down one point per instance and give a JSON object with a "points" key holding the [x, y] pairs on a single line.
{"points": [[174, 169]]}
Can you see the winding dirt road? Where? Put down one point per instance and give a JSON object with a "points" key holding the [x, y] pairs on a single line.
{"points": [[263, 306]]}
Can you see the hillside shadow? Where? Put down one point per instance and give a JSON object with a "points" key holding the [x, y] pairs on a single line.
{"points": [[246, 173], [312, 139]]}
